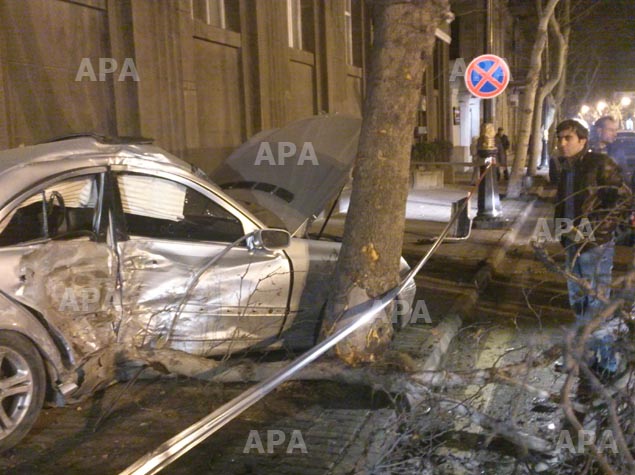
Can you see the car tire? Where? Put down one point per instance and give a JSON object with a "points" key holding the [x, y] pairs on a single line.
{"points": [[22, 387]]}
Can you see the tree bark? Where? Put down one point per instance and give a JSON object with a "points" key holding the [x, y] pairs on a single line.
{"points": [[562, 84], [368, 265], [529, 97], [544, 91]]}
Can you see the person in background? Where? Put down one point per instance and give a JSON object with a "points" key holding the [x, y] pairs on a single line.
{"points": [[605, 134], [605, 142], [502, 144]]}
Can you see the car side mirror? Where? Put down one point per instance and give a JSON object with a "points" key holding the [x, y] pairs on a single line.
{"points": [[270, 239]]}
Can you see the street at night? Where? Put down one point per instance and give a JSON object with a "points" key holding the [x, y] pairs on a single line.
{"points": [[318, 237]]}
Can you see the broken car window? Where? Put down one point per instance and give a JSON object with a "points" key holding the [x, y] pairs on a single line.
{"points": [[159, 208], [64, 210]]}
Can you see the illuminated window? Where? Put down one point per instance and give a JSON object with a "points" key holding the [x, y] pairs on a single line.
{"points": [[300, 24], [353, 32], [218, 13]]}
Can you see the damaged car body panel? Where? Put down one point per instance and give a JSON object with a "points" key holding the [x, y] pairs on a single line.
{"points": [[314, 265], [294, 171], [14, 317], [231, 306], [73, 284], [57, 265]]}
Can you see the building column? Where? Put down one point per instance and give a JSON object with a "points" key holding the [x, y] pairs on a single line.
{"points": [[4, 92], [272, 52], [158, 59], [335, 67], [126, 93]]}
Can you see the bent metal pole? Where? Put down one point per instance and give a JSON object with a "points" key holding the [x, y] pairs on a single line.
{"points": [[360, 315]]}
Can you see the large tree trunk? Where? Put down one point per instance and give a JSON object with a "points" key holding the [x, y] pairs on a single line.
{"points": [[527, 103], [404, 35], [562, 49]]}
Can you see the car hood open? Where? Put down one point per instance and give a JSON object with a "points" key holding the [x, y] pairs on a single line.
{"points": [[295, 171]]}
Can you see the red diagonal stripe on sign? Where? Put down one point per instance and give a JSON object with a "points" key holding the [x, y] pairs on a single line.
{"points": [[487, 75]]}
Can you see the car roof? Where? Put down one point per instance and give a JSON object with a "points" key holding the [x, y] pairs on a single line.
{"points": [[76, 148], [23, 167]]}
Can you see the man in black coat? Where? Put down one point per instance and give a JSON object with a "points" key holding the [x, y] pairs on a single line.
{"points": [[591, 200]]}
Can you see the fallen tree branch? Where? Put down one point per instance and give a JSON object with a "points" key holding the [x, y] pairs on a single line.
{"points": [[509, 432], [396, 373]]}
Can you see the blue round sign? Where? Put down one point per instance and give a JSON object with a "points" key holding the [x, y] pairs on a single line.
{"points": [[487, 76]]}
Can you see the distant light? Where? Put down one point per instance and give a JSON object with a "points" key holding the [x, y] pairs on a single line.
{"points": [[585, 109], [625, 101], [601, 106]]}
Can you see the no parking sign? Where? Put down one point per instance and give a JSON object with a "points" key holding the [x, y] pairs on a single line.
{"points": [[487, 76]]}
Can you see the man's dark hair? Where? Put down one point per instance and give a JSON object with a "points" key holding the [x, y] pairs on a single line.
{"points": [[570, 124], [500, 129], [599, 124]]}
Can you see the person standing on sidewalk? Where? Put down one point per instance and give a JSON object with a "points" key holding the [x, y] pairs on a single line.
{"points": [[590, 198], [502, 144]]}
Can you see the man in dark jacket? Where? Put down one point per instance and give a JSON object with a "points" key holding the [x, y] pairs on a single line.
{"points": [[605, 134], [591, 200]]}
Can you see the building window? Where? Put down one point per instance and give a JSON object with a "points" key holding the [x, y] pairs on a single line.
{"points": [[223, 14], [348, 28], [295, 23], [353, 32], [300, 24]]}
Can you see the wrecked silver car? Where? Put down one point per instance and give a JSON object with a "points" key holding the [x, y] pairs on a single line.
{"points": [[108, 244]]}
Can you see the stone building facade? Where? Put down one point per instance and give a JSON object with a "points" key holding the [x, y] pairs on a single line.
{"points": [[198, 76]]}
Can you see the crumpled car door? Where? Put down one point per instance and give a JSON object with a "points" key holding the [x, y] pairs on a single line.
{"points": [[173, 231], [55, 259]]}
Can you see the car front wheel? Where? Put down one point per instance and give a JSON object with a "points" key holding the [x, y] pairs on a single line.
{"points": [[22, 387]]}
